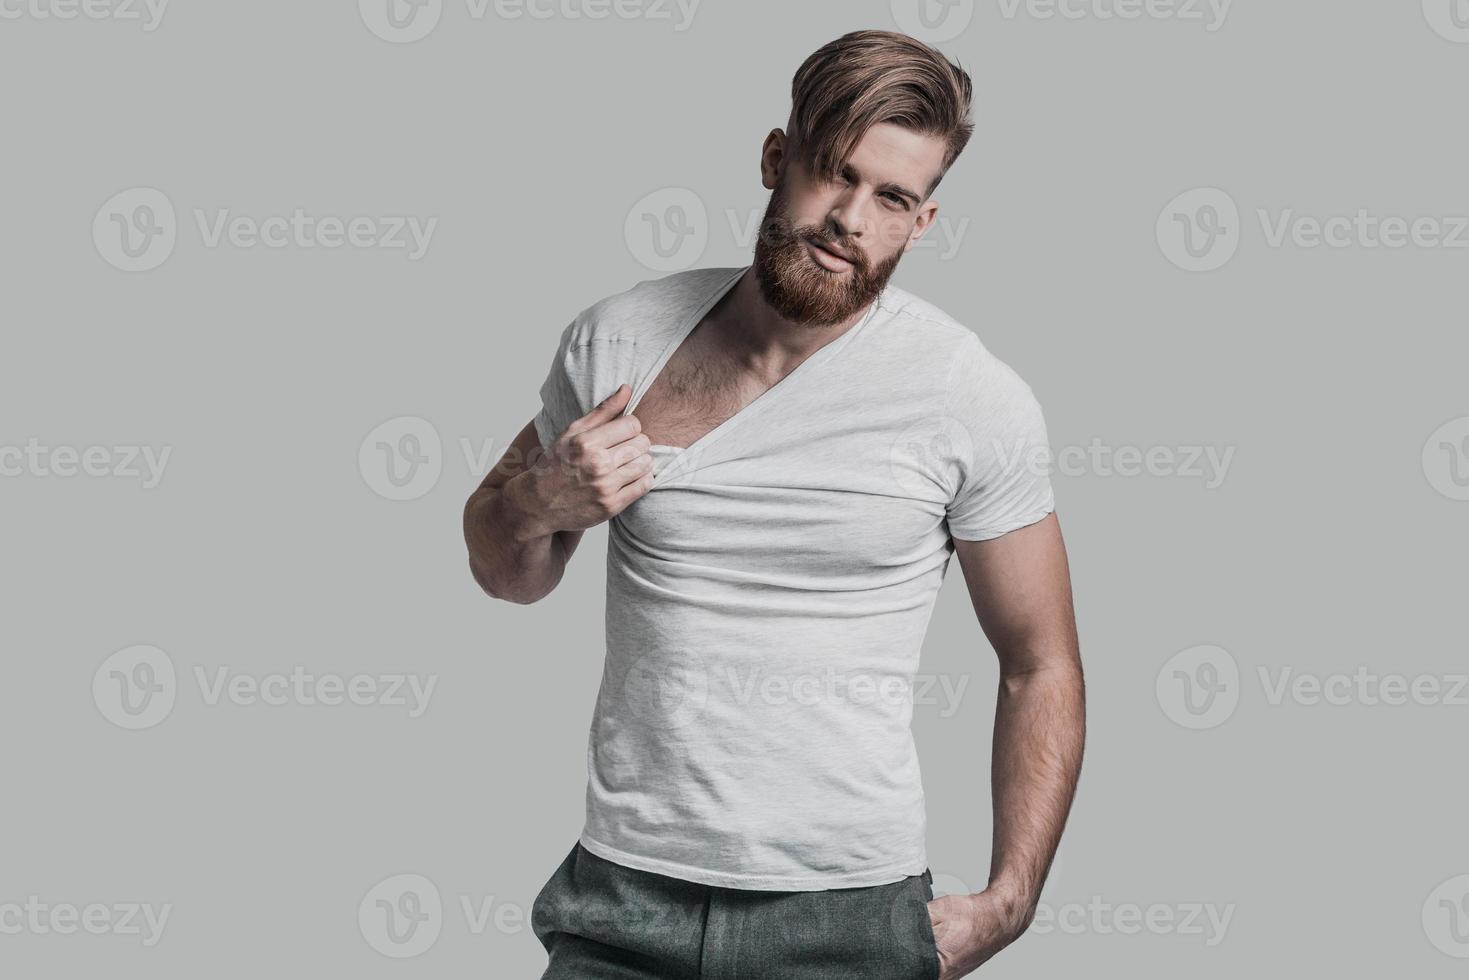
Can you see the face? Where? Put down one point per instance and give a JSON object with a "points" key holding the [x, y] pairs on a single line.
{"points": [[827, 247]]}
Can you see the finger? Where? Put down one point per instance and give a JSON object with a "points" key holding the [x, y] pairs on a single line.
{"points": [[605, 411], [626, 452], [625, 497], [612, 433], [633, 470]]}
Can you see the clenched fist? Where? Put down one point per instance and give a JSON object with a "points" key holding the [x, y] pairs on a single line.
{"points": [[593, 471]]}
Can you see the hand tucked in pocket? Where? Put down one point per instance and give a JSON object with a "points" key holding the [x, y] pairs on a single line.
{"points": [[969, 929]]}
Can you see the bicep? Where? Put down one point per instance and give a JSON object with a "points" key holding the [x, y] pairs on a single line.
{"points": [[1020, 586]]}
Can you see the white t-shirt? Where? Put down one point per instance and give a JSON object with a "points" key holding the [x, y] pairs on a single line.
{"points": [[767, 599]]}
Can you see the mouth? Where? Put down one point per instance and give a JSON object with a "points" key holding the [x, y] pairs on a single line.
{"points": [[828, 257]]}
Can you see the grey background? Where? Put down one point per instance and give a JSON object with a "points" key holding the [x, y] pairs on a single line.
{"points": [[1334, 541]]}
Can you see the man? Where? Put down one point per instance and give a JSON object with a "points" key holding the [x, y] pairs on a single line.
{"points": [[787, 455]]}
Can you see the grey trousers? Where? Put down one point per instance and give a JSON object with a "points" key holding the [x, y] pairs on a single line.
{"points": [[599, 920]]}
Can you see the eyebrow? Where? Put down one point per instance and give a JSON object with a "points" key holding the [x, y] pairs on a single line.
{"points": [[889, 186]]}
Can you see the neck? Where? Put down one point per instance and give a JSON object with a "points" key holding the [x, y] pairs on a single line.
{"points": [[753, 331]]}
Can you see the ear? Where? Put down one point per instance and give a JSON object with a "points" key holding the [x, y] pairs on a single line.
{"points": [[772, 158], [927, 212]]}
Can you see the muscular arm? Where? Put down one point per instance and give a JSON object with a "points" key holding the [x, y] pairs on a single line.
{"points": [[509, 556], [1020, 586], [525, 519]]}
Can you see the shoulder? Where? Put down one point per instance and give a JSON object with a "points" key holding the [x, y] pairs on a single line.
{"points": [[617, 338], [971, 368], [647, 310]]}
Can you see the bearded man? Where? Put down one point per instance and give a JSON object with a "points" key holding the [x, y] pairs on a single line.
{"points": [[786, 455]]}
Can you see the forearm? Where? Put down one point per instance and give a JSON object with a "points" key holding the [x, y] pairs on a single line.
{"points": [[512, 555], [1040, 726]]}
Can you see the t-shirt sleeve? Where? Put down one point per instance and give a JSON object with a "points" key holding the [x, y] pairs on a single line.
{"points": [[1004, 470], [559, 404]]}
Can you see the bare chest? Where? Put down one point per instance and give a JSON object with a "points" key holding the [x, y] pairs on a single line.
{"points": [[694, 394]]}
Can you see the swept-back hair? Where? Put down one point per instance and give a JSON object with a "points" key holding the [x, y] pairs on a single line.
{"points": [[869, 77]]}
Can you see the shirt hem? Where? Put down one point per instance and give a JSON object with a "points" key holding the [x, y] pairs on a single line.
{"points": [[855, 879], [989, 534]]}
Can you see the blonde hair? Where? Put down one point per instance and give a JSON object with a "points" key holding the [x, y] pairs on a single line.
{"points": [[869, 77]]}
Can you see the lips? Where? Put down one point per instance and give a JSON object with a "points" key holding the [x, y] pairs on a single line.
{"points": [[833, 250]]}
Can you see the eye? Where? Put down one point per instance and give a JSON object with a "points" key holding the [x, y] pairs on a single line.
{"points": [[897, 199]]}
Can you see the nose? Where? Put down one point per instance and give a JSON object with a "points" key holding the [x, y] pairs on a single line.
{"points": [[844, 220]]}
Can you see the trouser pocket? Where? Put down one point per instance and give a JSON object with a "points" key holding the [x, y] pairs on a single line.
{"points": [[542, 908], [931, 947], [910, 951]]}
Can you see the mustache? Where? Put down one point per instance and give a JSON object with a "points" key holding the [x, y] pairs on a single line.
{"points": [[780, 233]]}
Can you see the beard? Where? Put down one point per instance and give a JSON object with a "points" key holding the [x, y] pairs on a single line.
{"points": [[797, 287]]}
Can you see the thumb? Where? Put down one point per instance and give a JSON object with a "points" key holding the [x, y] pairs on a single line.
{"points": [[609, 408]]}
